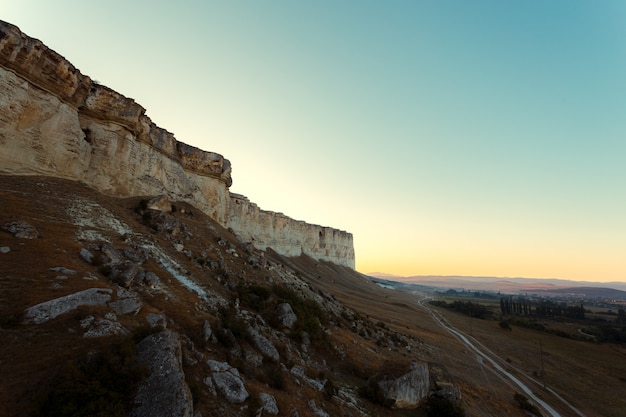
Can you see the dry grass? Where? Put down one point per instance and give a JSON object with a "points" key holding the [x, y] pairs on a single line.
{"points": [[591, 376]]}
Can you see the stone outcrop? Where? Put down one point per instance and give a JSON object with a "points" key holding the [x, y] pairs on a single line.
{"points": [[227, 380], [56, 121], [410, 389], [48, 310], [164, 392]]}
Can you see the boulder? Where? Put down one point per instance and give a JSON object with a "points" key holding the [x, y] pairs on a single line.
{"points": [[86, 255], [164, 392], [48, 310], [286, 316], [263, 344], [207, 332], [269, 404], [228, 381], [410, 389]]}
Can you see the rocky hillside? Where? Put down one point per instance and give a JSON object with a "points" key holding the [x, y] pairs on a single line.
{"points": [[148, 307], [133, 283]]}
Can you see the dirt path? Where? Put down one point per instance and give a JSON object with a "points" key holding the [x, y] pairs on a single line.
{"points": [[486, 355]]}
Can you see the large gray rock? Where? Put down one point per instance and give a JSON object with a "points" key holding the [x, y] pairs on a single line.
{"points": [[48, 310], [228, 381], [269, 403], [263, 344], [286, 315], [410, 389], [164, 392]]}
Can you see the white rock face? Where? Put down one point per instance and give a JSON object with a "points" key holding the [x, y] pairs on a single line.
{"points": [[408, 390], [287, 236], [55, 121]]}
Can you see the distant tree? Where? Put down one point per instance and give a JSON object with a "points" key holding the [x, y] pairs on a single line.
{"points": [[504, 324]]}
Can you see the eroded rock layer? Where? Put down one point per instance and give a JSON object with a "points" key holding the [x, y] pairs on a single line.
{"points": [[56, 121]]}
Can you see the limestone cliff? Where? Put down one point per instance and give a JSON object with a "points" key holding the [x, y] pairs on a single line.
{"points": [[56, 121]]}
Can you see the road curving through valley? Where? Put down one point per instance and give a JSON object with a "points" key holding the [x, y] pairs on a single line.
{"points": [[485, 354]]}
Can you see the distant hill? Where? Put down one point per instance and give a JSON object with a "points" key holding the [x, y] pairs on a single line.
{"points": [[510, 285], [588, 292]]}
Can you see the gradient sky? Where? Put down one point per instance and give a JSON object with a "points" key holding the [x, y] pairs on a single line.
{"points": [[450, 137]]}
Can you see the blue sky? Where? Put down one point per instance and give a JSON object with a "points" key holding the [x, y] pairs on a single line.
{"points": [[450, 137]]}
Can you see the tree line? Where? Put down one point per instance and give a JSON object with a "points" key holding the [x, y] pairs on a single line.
{"points": [[521, 306]]}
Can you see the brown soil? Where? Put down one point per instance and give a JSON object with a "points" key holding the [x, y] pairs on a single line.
{"points": [[591, 376]]}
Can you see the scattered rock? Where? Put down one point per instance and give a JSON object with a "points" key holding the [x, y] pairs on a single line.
{"points": [[124, 273], [137, 256], [62, 270], [316, 410], [21, 230], [86, 255], [286, 315], [151, 280], [164, 392], [228, 381], [104, 327], [48, 310], [87, 322], [299, 372], [252, 358], [269, 403], [408, 390], [5, 249], [207, 332], [127, 302], [156, 320], [264, 345], [110, 254]]}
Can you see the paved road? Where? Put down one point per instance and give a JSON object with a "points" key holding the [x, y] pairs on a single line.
{"points": [[485, 354]]}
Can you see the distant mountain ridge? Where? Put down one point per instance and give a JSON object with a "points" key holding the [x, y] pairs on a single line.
{"points": [[503, 284]]}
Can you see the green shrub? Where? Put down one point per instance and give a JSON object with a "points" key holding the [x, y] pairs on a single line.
{"points": [[310, 314]]}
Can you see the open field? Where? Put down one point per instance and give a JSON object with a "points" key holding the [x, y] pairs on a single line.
{"points": [[589, 375]]}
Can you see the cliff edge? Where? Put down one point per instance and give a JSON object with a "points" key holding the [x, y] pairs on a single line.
{"points": [[56, 121]]}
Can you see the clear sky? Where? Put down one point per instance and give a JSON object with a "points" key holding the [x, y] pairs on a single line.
{"points": [[450, 137]]}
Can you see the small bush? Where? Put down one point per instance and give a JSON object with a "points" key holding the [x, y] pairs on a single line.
{"points": [[443, 407], [505, 325], [310, 314], [373, 392], [100, 385], [525, 404], [253, 296], [273, 376]]}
